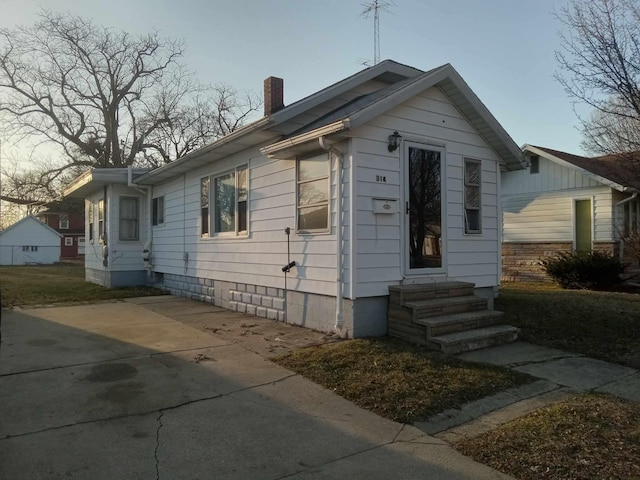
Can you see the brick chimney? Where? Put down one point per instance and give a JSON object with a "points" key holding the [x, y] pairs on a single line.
{"points": [[273, 95]]}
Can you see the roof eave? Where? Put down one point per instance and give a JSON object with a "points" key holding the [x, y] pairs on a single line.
{"points": [[564, 163], [293, 146], [504, 145]]}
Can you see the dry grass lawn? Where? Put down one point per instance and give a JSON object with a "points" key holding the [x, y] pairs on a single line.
{"points": [[396, 380], [45, 284], [586, 437], [603, 325]]}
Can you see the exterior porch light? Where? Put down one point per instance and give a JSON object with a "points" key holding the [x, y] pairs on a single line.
{"points": [[394, 141]]}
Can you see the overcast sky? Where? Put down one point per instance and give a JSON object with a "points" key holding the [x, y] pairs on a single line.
{"points": [[504, 49]]}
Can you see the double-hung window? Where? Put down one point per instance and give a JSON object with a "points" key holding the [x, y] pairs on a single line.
{"points": [[63, 221], [157, 211], [101, 220], [223, 202], [313, 194], [91, 219], [129, 218], [472, 196]]}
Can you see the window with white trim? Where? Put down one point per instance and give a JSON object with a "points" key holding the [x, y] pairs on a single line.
{"points": [[68, 241], [204, 207], [312, 194], [224, 203], [631, 212], [472, 196], [129, 218], [90, 217], [101, 220], [534, 164], [63, 221], [157, 211]]}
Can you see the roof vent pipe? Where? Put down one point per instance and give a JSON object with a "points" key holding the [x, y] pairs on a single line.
{"points": [[273, 95]]}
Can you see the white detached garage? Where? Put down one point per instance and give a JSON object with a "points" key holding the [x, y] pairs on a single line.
{"points": [[29, 242]]}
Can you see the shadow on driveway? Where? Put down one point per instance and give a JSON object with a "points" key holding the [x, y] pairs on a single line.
{"points": [[120, 391]]}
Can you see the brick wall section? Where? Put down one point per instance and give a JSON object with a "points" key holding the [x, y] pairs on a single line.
{"points": [[239, 297], [520, 261]]}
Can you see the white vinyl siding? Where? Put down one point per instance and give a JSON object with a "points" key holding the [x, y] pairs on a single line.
{"points": [[548, 217], [29, 242], [258, 257], [431, 119]]}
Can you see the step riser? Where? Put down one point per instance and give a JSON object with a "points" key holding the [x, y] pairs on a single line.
{"points": [[436, 311], [400, 298], [462, 326], [476, 344]]}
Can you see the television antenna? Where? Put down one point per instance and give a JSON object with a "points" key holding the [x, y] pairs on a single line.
{"points": [[373, 9]]}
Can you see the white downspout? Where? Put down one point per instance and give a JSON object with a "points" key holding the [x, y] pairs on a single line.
{"points": [[146, 252], [339, 327], [622, 202]]}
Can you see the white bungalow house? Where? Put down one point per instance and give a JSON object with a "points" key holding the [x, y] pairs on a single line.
{"points": [[311, 214], [565, 202], [29, 242]]}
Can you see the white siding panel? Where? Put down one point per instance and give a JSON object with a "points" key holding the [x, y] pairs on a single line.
{"points": [[552, 178], [429, 118], [548, 217]]}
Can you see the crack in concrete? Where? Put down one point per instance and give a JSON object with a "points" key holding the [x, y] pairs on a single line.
{"points": [[155, 452], [395, 439], [538, 362], [619, 379]]}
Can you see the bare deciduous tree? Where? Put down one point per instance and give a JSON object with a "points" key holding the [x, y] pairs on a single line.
{"points": [[600, 66], [108, 98]]}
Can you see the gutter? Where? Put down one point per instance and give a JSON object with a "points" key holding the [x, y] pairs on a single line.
{"points": [[146, 251], [271, 150]]}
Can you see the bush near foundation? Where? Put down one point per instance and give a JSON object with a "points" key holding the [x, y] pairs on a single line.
{"points": [[583, 270]]}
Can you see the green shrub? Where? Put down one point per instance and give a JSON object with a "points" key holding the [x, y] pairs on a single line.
{"points": [[583, 270]]}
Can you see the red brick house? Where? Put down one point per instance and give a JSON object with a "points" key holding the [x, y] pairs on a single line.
{"points": [[67, 218]]}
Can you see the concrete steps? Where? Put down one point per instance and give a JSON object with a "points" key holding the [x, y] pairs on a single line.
{"points": [[445, 316]]}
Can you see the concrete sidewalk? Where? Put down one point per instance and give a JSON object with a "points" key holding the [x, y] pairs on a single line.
{"points": [[123, 391], [560, 375]]}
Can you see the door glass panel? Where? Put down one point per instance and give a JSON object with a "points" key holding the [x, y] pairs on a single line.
{"points": [[425, 209], [583, 225]]}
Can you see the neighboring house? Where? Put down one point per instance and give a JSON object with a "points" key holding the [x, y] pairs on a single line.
{"points": [[565, 202], [29, 242], [388, 177], [67, 218]]}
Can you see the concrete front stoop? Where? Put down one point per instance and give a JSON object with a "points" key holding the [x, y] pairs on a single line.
{"points": [[445, 316]]}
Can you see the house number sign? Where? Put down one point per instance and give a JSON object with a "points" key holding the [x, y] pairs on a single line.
{"points": [[381, 178]]}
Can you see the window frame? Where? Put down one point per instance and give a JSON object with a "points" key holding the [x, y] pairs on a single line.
{"points": [[157, 211], [136, 219], [68, 243], [534, 164], [465, 185], [91, 220], [327, 228], [238, 200], [63, 221], [101, 231]]}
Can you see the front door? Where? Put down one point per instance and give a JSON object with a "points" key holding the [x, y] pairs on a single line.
{"points": [[583, 226], [423, 208]]}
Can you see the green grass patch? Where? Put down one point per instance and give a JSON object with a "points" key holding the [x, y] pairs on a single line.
{"points": [[396, 380], [604, 325], [587, 436], [46, 284]]}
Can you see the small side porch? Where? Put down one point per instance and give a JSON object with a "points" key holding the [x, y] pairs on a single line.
{"points": [[446, 316]]}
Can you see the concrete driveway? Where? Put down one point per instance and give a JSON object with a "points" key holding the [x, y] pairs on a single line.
{"points": [[123, 391]]}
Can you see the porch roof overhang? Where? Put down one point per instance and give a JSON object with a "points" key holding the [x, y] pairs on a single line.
{"points": [[306, 142], [92, 180]]}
